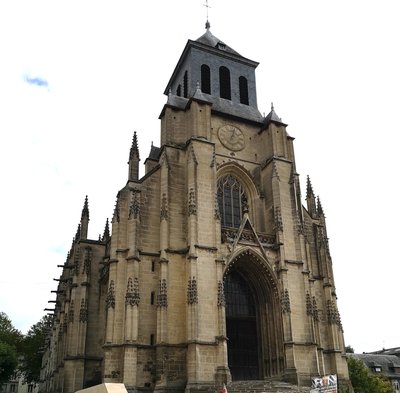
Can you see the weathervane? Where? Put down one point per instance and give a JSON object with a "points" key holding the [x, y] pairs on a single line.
{"points": [[207, 7]]}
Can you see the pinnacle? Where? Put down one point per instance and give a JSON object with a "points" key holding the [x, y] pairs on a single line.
{"points": [[320, 210], [106, 233], [134, 148], [78, 233], [310, 191], [273, 117], [85, 210]]}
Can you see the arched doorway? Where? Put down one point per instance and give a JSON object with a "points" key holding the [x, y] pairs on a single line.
{"points": [[253, 319], [241, 328]]}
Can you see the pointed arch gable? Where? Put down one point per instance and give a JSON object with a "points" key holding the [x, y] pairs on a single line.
{"points": [[256, 266]]}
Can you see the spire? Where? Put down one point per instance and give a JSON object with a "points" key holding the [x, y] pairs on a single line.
{"points": [[84, 225], [134, 160], [106, 233], [320, 210], [78, 233], [134, 148], [85, 210], [310, 198], [309, 187]]}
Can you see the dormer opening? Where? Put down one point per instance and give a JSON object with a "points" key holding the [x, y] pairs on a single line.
{"points": [[221, 45], [179, 90], [243, 91], [224, 83], [205, 79]]}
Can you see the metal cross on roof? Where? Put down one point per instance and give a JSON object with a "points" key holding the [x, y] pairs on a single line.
{"points": [[207, 7]]}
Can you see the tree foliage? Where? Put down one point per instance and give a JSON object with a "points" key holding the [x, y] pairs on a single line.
{"points": [[364, 381], [32, 349], [10, 345], [8, 361], [349, 349]]}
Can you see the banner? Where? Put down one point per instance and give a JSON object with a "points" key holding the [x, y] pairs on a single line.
{"points": [[325, 384]]}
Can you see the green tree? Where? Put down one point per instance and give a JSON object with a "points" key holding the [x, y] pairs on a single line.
{"points": [[383, 384], [32, 349], [349, 349], [8, 361], [10, 344], [364, 381]]}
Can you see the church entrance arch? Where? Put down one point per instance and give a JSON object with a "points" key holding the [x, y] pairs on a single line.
{"points": [[253, 319]]}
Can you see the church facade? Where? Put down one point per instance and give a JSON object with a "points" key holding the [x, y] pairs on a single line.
{"points": [[213, 271]]}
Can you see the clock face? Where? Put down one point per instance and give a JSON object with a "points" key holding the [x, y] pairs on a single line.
{"points": [[231, 137]]}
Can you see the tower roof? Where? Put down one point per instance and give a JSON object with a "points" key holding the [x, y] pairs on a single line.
{"points": [[273, 117], [211, 44], [210, 39]]}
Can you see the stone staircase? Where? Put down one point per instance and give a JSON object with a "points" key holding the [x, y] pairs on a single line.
{"points": [[266, 386]]}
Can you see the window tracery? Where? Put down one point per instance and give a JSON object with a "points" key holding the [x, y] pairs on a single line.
{"points": [[232, 201]]}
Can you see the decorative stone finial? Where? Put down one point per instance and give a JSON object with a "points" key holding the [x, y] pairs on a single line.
{"points": [[134, 148], [85, 210]]}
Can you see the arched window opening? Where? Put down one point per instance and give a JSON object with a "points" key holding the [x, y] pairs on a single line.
{"points": [[179, 90], [224, 83], [231, 201], [243, 91], [185, 84], [205, 79]]}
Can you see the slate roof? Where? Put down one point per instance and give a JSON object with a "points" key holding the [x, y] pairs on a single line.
{"points": [[273, 117], [388, 351], [209, 39], [386, 362], [154, 153]]}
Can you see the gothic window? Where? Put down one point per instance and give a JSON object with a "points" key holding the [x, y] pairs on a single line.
{"points": [[224, 83], [179, 90], [231, 201], [205, 79], [243, 91], [185, 84]]}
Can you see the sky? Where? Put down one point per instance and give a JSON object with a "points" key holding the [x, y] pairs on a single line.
{"points": [[77, 78]]}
